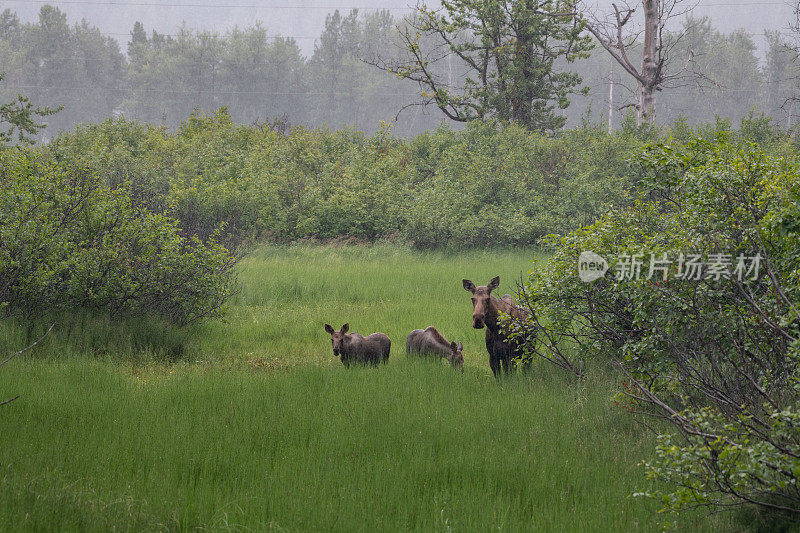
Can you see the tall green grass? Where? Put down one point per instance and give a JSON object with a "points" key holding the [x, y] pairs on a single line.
{"points": [[288, 294], [91, 446], [251, 424]]}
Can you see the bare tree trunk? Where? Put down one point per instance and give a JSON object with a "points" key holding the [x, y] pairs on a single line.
{"points": [[655, 68], [449, 70], [649, 73], [611, 97], [522, 101]]}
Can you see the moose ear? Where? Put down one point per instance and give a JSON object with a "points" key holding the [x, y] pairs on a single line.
{"points": [[346, 328], [454, 346], [460, 347], [494, 283], [468, 285], [329, 328]]}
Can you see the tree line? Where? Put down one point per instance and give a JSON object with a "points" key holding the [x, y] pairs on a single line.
{"points": [[259, 77]]}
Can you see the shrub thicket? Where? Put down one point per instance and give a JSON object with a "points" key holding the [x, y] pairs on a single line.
{"points": [[716, 356], [181, 196], [480, 186], [68, 242]]}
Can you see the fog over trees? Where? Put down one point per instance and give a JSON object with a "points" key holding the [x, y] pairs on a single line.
{"points": [[304, 63]]}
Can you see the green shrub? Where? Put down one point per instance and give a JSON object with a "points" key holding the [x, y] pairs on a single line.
{"points": [[717, 358], [483, 186], [68, 242]]}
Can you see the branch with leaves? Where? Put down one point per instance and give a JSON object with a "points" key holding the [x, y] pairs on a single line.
{"points": [[717, 358], [18, 118]]}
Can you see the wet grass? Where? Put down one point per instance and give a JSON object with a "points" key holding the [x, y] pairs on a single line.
{"points": [[250, 424]]}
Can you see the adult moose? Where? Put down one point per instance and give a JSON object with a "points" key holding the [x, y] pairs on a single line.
{"points": [[486, 312], [430, 342], [355, 348]]}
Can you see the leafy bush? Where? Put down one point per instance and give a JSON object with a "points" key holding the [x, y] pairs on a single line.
{"points": [[477, 187], [67, 242], [717, 356]]}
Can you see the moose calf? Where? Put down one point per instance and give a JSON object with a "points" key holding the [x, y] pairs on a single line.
{"points": [[430, 342], [355, 348]]}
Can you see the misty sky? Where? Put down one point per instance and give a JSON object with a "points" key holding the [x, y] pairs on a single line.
{"points": [[304, 19]]}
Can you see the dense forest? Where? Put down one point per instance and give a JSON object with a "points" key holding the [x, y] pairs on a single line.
{"points": [[259, 77]]}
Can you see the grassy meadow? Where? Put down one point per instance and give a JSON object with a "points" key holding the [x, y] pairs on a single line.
{"points": [[250, 424]]}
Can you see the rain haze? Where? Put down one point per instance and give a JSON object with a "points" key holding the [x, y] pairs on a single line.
{"points": [[305, 20], [374, 265], [382, 97]]}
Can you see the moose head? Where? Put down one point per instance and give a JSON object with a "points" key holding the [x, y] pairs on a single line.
{"points": [[456, 357], [481, 302], [337, 337]]}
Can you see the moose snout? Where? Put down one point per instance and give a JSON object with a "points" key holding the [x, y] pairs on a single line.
{"points": [[477, 323]]}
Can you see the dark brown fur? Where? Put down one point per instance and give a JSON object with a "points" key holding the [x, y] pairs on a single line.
{"points": [[357, 349], [486, 310], [430, 342]]}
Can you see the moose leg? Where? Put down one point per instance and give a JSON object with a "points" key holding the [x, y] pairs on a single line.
{"points": [[505, 356], [494, 358], [507, 364], [494, 363]]}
